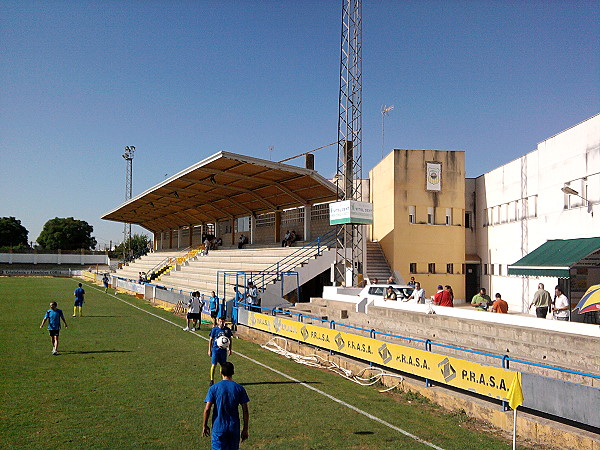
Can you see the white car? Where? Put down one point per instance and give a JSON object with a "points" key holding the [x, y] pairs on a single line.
{"points": [[377, 291]]}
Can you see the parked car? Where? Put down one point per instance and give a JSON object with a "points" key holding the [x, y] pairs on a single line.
{"points": [[377, 291]]}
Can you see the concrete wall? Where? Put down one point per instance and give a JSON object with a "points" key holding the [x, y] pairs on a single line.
{"points": [[53, 258]]}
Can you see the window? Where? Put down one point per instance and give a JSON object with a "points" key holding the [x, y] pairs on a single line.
{"points": [[450, 268], [468, 219], [491, 269], [448, 216], [412, 217], [243, 224], [485, 269], [431, 268], [430, 215], [499, 269], [413, 267]]}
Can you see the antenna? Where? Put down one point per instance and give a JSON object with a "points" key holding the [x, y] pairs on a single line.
{"points": [[385, 111], [270, 152]]}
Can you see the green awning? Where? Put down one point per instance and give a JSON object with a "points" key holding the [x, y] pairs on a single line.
{"points": [[555, 258]]}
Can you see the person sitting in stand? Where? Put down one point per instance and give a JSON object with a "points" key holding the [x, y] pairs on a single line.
{"points": [[286, 237], [390, 294], [500, 306], [481, 301]]}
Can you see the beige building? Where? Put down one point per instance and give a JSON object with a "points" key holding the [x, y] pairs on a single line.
{"points": [[418, 201]]}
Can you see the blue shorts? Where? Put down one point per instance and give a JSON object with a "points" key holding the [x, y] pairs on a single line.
{"points": [[219, 356], [226, 441], [78, 302]]}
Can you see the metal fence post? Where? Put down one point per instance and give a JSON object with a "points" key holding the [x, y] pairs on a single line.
{"points": [[505, 365], [427, 349]]}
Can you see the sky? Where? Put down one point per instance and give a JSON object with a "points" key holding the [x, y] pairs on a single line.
{"points": [[181, 80]]}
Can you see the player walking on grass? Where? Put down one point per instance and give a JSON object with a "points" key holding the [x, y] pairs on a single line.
{"points": [[79, 293], [218, 354], [226, 396], [54, 316], [193, 315]]}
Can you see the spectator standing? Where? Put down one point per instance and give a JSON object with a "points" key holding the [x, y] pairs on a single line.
{"points": [[218, 354], [79, 294], [437, 298], [418, 294], [500, 305], [541, 301], [54, 316], [561, 305], [481, 300], [391, 280], [412, 282], [226, 396], [237, 300], [252, 296], [448, 297]]}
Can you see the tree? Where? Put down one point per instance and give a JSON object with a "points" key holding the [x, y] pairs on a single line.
{"points": [[138, 244], [67, 234], [12, 233]]}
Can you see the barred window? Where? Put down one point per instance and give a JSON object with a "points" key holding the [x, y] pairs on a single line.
{"points": [[265, 220], [320, 212]]}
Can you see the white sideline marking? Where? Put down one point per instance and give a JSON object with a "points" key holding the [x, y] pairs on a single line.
{"points": [[337, 400]]}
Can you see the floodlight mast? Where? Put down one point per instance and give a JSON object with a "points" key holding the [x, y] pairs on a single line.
{"points": [[348, 179], [128, 157]]}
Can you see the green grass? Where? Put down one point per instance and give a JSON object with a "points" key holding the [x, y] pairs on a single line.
{"points": [[126, 379]]}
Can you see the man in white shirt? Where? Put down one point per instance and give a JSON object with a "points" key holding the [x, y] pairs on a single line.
{"points": [[561, 305], [193, 316], [418, 294]]}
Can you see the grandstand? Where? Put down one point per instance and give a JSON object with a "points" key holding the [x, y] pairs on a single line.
{"points": [[265, 264]]}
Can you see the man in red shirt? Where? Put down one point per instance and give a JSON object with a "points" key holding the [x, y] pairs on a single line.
{"points": [[443, 297], [500, 306]]}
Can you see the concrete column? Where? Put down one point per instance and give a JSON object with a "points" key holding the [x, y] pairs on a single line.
{"points": [[307, 223], [252, 227], [191, 234], [277, 230], [170, 239], [233, 230], [178, 238], [162, 236]]}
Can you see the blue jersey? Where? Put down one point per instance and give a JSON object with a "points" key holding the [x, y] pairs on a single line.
{"points": [[213, 303], [216, 332], [79, 292], [54, 316], [227, 396]]}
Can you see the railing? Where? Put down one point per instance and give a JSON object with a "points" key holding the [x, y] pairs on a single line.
{"points": [[170, 260], [282, 268]]}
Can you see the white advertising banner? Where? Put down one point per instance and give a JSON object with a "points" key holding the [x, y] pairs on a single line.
{"points": [[350, 211], [434, 176]]}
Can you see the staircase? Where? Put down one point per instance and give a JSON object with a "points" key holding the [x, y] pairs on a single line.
{"points": [[377, 265]]}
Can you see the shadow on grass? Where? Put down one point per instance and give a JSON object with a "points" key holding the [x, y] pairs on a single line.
{"points": [[103, 316], [279, 382], [86, 352], [363, 432]]}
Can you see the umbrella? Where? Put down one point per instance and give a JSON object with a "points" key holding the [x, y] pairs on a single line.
{"points": [[590, 301]]}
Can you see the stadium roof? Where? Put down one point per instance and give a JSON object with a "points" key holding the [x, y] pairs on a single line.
{"points": [[223, 186]]}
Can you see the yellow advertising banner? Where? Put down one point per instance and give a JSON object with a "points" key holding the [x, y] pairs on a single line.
{"points": [[485, 380]]}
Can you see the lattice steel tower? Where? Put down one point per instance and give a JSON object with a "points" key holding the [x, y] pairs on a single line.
{"points": [[128, 157], [349, 248]]}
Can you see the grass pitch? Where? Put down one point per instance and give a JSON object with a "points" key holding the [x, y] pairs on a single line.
{"points": [[127, 379]]}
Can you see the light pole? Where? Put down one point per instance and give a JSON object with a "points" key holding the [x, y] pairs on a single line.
{"points": [[128, 157], [570, 191], [385, 110]]}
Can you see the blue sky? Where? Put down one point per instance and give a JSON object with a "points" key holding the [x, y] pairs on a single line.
{"points": [[181, 80]]}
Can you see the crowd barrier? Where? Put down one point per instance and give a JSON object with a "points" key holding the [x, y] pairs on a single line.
{"points": [[567, 400]]}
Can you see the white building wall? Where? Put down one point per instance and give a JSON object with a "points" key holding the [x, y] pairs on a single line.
{"points": [[520, 206]]}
